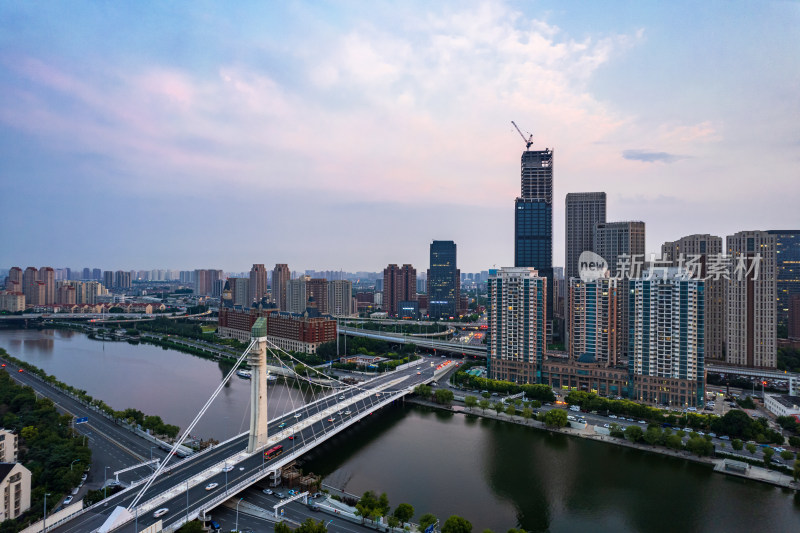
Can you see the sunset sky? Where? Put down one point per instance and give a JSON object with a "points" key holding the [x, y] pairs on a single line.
{"points": [[329, 135]]}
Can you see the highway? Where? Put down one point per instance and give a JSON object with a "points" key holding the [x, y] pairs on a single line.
{"points": [[169, 491]]}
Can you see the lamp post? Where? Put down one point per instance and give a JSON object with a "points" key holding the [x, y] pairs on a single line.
{"points": [[105, 481], [187, 501], [44, 520], [72, 463], [237, 513], [226, 477]]}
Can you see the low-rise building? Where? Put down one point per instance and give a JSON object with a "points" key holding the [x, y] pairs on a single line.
{"points": [[8, 446], [15, 490], [12, 301], [288, 331], [782, 404]]}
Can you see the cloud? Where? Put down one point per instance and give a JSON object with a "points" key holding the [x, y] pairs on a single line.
{"points": [[648, 156]]}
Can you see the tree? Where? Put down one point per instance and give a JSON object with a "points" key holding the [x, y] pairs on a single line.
{"points": [[768, 453], [634, 433], [368, 506], [486, 395], [392, 521], [511, 410], [443, 396], [471, 402], [195, 526], [751, 448], [456, 524], [516, 530], [796, 469], [527, 413], [404, 512], [484, 404], [423, 390], [700, 446], [498, 407], [282, 527], [673, 442], [652, 435], [426, 520], [311, 526], [786, 455], [737, 444], [555, 418]]}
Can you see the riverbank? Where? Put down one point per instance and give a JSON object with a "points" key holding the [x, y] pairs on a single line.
{"points": [[754, 473]]}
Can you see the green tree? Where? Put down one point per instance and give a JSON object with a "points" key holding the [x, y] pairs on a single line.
{"points": [[653, 435], [311, 526], [457, 524], [426, 520], [282, 527], [768, 453], [527, 413], [786, 455], [700, 446], [404, 512], [511, 410], [555, 418], [634, 433], [423, 390], [484, 404], [443, 396], [751, 448], [737, 444], [498, 407], [392, 521], [195, 526], [516, 530], [471, 402], [486, 395], [796, 469], [673, 442]]}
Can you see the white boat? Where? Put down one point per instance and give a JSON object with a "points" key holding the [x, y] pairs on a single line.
{"points": [[244, 374]]}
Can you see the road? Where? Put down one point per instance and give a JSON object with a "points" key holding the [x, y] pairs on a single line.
{"points": [[207, 467]]}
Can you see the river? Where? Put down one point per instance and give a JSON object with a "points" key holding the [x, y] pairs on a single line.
{"points": [[495, 474]]}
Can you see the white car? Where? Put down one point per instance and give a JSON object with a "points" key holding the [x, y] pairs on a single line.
{"points": [[297, 415], [267, 491], [160, 512], [67, 500], [212, 486], [227, 468]]}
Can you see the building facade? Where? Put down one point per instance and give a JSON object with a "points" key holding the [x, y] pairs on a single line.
{"points": [[517, 317], [340, 298], [317, 288], [288, 331], [257, 287], [15, 489], [594, 314], [444, 280], [693, 253], [666, 338], [584, 210], [296, 295], [280, 277], [787, 265], [751, 317], [399, 284]]}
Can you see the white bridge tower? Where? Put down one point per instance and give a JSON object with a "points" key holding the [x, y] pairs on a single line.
{"points": [[257, 359]]}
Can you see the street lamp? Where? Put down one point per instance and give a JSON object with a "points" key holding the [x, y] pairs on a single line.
{"points": [[105, 481], [187, 501], [226, 477], [44, 520], [237, 513], [72, 463]]}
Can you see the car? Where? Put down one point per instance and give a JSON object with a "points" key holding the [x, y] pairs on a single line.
{"points": [[341, 412], [293, 492], [779, 450], [606, 426], [268, 492], [20, 370], [291, 437], [227, 468], [215, 526], [688, 430], [377, 394], [297, 415], [712, 435], [331, 419], [612, 416], [341, 397], [67, 500], [212, 486], [347, 413], [314, 508], [84, 476], [725, 437], [280, 495], [629, 419], [700, 433], [642, 422], [419, 373], [4, 365], [317, 495], [282, 425], [160, 512]]}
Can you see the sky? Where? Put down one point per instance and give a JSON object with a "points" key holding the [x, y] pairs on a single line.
{"points": [[349, 135]]}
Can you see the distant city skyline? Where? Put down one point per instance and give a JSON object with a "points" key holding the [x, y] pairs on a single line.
{"points": [[330, 136]]}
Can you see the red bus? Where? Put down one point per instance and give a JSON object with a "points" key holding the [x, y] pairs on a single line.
{"points": [[273, 452]]}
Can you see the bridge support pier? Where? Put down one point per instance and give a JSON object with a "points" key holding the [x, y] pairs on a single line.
{"points": [[257, 359]]}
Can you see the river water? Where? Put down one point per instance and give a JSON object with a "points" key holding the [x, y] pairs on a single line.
{"points": [[497, 475]]}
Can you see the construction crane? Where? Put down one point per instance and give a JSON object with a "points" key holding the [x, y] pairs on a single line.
{"points": [[529, 141]]}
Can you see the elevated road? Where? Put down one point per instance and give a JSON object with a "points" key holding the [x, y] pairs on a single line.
{"points": [[443, 346], [186, 491]]}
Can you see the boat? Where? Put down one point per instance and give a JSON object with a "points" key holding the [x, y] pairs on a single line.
{"points": [[244, 374]]}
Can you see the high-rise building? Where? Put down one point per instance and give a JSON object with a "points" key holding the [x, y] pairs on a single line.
{"points": [[317, 288], [258, 283], [48, 276], [399, 284], [14, 281], [29, 279], [280, 277], [108, 279], [584, 210], [240, 291], [751, 332], [517, 317], [296, 295], [594, 314], [66, 295], [444, 280], [666, 338], [122, 279], [97, 274], [614, 241], [340, 298], [787, 257], [87, 273], [794, 317], [693, 254], [533, 220]]}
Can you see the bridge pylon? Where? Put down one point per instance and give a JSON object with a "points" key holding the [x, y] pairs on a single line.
{"points": [[257, 359]]}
